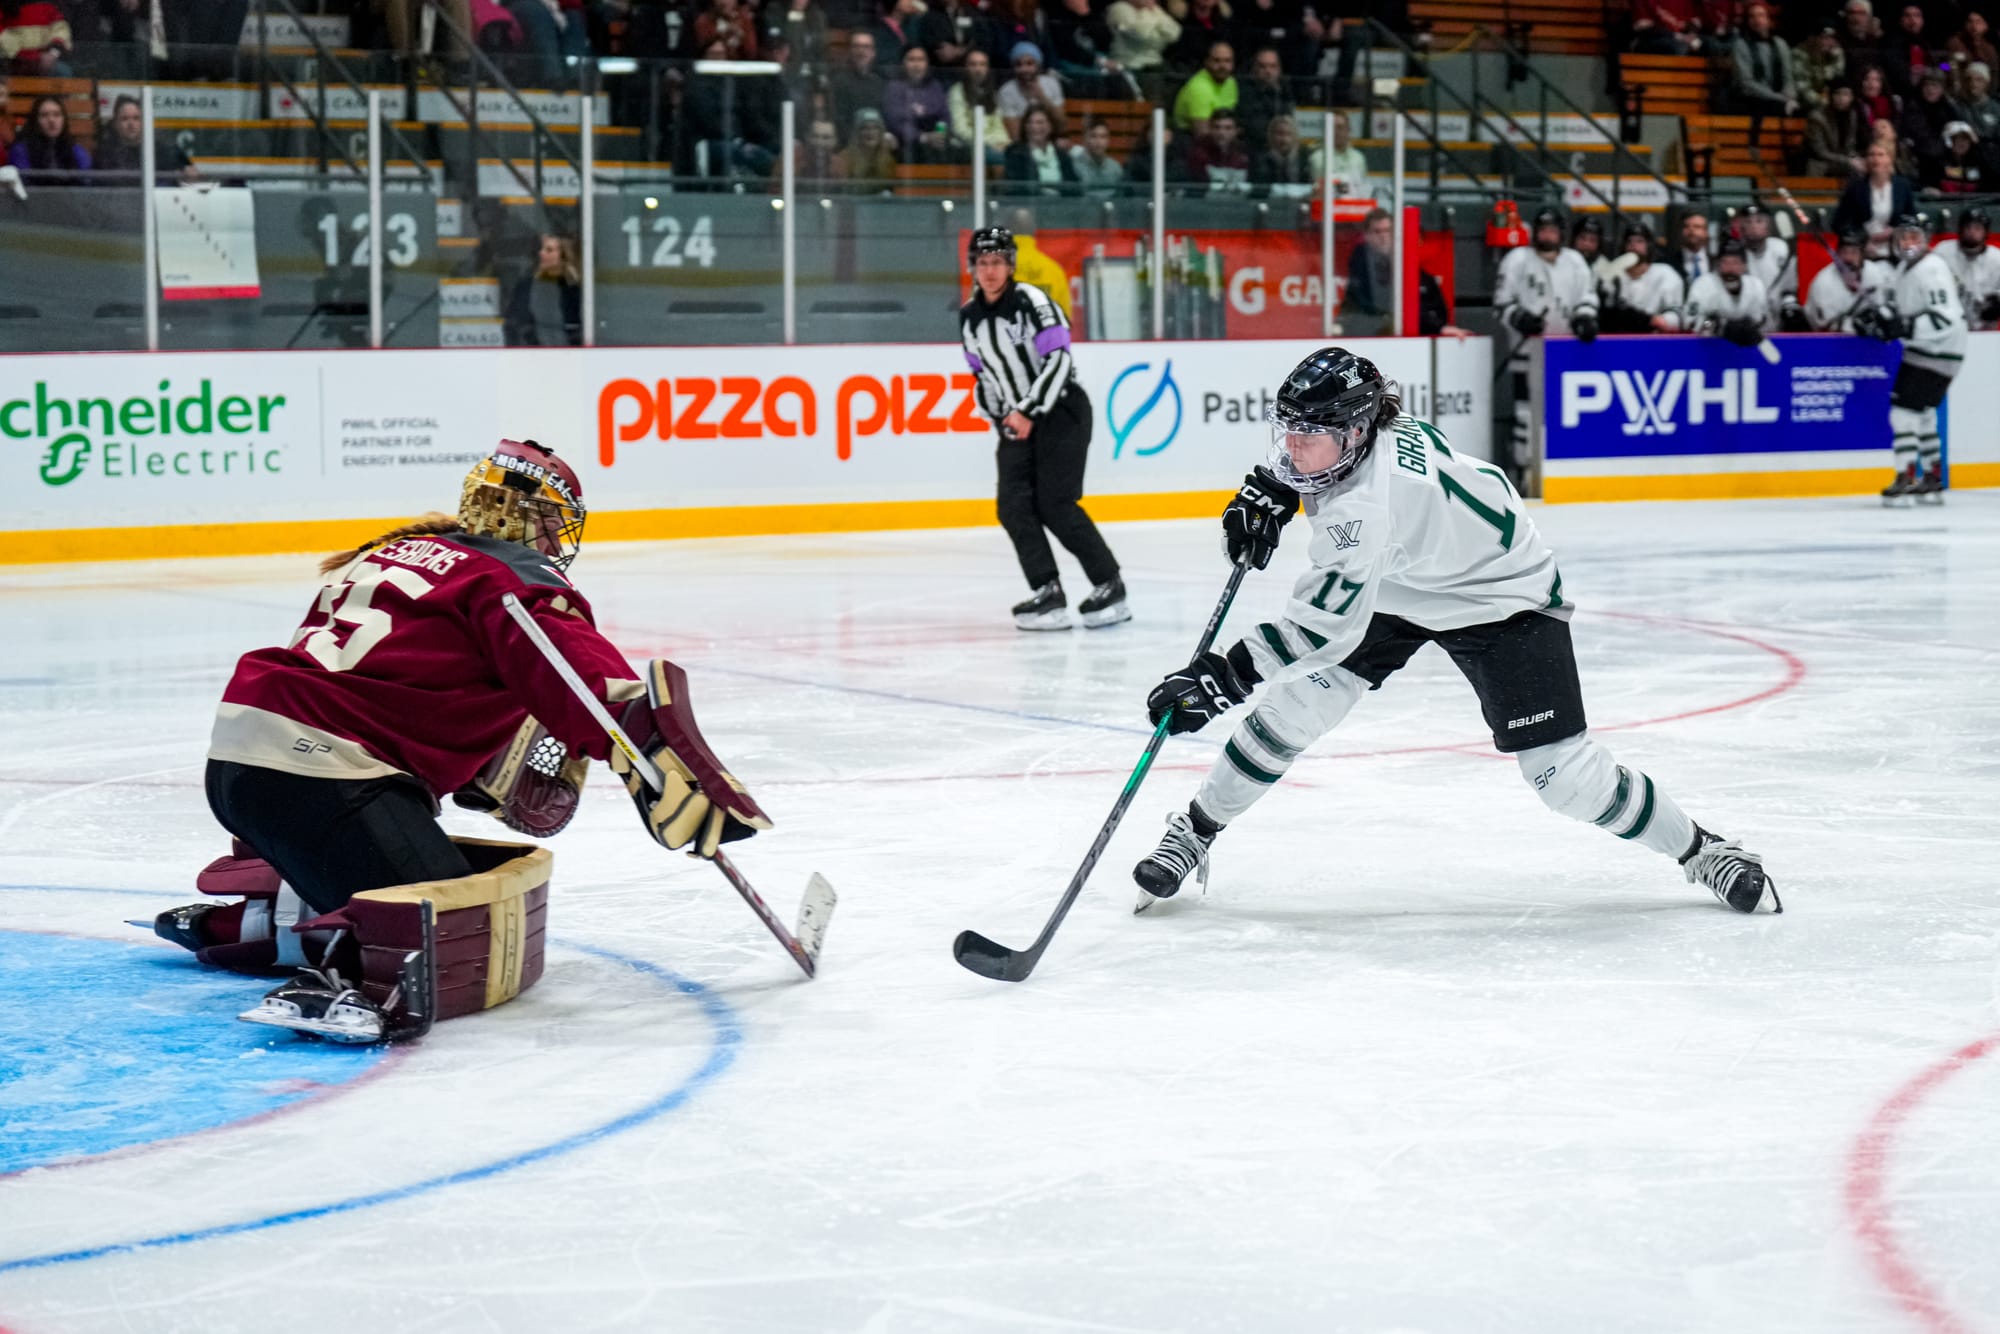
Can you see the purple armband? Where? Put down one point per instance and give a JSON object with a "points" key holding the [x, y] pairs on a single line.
{"points": [[1051, 338]]}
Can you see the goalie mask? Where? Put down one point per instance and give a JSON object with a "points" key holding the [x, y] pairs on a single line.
{"points": [[1323, 422], [522, 492]]}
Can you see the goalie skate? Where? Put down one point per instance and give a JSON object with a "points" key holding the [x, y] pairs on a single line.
{"points": [[321, 1005]]}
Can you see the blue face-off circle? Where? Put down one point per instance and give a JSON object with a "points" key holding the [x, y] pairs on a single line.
{"points": [[98, 1051]]}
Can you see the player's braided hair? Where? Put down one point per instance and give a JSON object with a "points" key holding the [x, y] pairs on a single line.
{"points": [[429, 525], [1390, 409]]}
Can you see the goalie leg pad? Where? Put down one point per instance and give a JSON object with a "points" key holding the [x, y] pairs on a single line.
{"points": [[1578, 778], [491, 927]]}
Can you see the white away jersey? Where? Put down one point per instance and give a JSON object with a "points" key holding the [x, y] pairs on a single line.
{"points": [[1558, 291], [1926, 294], [1709, 302], [1830, 302], [1779, 278], [1978, 276], [1657, 291], [1419, 531]]}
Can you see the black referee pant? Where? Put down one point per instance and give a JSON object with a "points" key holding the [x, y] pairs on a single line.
{"points": [[1041, 480]]}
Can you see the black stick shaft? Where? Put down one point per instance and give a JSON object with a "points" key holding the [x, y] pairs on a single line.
{"points": [[1033, 953]]}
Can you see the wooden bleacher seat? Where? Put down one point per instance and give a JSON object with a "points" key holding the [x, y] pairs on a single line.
{"points": [[1673, 85], [1127, 121], [1735, 153], [1558, 27], [79, 99], [933, 182]]}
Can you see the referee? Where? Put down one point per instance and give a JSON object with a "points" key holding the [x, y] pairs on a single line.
{"points": [[1017, 343]]}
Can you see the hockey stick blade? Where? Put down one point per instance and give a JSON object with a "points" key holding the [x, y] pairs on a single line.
{"points": [[993, 960]]}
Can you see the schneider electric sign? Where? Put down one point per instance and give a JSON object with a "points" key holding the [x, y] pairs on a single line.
{"points": [[203, 429], [1626, 397]]}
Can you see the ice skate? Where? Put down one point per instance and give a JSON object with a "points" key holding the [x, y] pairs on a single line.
{"points": [[1106, 605], [182, 926], [1735, 876], [322, 1006], [1929, 489], [1902, 491], [1181, 850], [1048, 609]]}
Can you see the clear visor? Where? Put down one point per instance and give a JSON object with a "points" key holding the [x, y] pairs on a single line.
{"points": [[1312, 458]]}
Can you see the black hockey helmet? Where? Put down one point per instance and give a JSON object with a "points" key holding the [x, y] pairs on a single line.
{"points": [[1966, 218], [1325, 418], [1853, 236], [1589, 224], [990, 241], [1731, 246], [1546, 217], [1905, 226]]}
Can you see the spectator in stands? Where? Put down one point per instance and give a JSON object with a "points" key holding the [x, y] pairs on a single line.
{"points": [[1690, 258], [546, 310], [1141, 33], [1080, 43], [1878, 105], [1217, 160], [1982, 110], [1884, 133], [1139, 166], [1763, 85], [6, 117], [1860, 36], [1923, 120], [35, 37], [1282, 170], [1366, 306], [1276, 24], [1836, 136], [1965, 168], [1666, 27], [868, 162], [1349, 169], [1101, 175], [1972, 42], [1204, 24], [803, 26], [816, 158], [1029, 87], [45, 144], [855, 86], [1586, 237], [1872, 201], [1264, 98], [954, 29], [1817, 64], [899, 27], [554, 34], [1035, 165], [729, 123], [123, 150], [725, 21], [1906, 53], [1212, 88], [975, 89], [918, 111]]}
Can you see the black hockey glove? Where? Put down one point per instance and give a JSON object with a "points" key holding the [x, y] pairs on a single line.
{"points": [[1792, 318], [1204, 689], [1527, 322], [1256, 518], [1989, 309], [1584, 326], [1742, 331]]}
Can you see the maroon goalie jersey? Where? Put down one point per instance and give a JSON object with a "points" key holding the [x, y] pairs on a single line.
{"points": [[409, 663]]}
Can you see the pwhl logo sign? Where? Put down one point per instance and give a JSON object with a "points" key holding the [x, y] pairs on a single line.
{"points": [[1143, 409], [1650, 402], [198, 433]]}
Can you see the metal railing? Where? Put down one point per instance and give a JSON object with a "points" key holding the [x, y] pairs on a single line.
{"points": [[323, 60]]}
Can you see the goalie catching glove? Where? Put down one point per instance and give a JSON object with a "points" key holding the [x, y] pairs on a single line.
{"points": [[531, 786], [702, 804], [1203, 690]]}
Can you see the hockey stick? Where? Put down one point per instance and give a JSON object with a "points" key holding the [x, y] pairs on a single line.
{"points": [[815, 910], [991, 959]]}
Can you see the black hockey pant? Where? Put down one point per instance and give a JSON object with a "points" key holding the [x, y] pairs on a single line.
{"points": [[1041, 480], [331, 838]]}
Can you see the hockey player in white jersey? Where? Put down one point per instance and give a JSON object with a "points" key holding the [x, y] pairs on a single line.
{"points": [[1544, 288], [1411, 543], [1636, 294], [1767, 258], [1976, 265], [1922, 309], [1727, 300], [1844, 286]]}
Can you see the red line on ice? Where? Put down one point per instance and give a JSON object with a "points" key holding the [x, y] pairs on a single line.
{"points": [[1868, 1190]]}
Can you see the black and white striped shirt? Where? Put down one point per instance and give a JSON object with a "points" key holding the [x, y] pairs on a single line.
{"points": [[1018, 346]]}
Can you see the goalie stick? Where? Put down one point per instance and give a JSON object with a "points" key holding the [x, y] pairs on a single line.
{"points": [[815, 910], [991, 959]]}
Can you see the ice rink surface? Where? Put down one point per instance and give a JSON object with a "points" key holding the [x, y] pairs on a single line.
{"points": [[1426, 1058]]}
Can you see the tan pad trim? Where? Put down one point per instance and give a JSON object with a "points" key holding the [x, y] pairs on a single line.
{"points": [[502, 891]]}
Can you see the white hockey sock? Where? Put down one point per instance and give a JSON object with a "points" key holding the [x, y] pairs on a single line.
{"points": [[1578, 778], [1287, 720]]}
